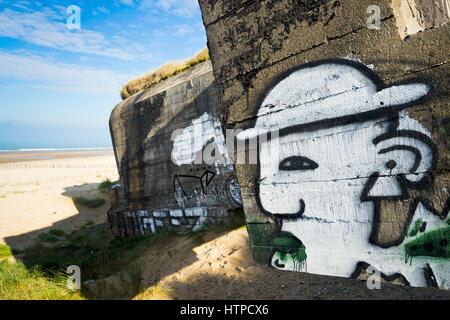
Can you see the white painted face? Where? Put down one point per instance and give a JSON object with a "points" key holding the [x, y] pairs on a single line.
{"points": [[322, 174], [314, 184], [323, 185]]}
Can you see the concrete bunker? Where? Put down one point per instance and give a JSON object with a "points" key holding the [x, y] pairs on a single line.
{"points": [[160, 136], [326, 206]]}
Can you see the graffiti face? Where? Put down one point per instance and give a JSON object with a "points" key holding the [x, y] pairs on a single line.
{"points": [[311, 164], [347, 157], [344, 146]]}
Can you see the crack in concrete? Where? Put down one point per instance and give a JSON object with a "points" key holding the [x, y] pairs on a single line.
{"points": [[345, 179], [417, 71]]}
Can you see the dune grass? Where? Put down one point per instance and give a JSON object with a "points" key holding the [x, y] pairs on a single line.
{"points": [[90, 203], [99, 255], [5, 251], [46, 237], [106, 184], [18, 283], [56, 232], [162, 73], [54, 235]]}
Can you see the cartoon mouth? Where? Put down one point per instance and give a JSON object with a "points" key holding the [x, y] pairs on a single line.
{"points": [[296, 215]]}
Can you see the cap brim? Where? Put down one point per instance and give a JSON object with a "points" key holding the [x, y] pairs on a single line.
{"points": [[398, 95], [394, 96]]}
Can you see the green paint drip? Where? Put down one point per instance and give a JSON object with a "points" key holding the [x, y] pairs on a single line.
{"points": [[298, 258], [289, 248], [283, 256], [431, 244], [415, 229]]}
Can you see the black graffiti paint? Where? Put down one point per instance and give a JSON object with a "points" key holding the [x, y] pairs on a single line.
{"points": [[187, 183], [388, 113]]}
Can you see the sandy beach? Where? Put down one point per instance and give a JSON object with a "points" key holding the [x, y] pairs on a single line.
{"points": [[36, 196], [36, 190]]}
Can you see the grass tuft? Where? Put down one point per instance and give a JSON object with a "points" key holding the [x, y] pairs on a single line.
{"points": [[47, 237], [56, 232], [5, 251], [90, 203], [17, 283], [162, 73], [106, 184]]}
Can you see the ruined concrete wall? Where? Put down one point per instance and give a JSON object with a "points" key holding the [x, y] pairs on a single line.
{"points": [[160, 136], [359, 115], [418, 15]]}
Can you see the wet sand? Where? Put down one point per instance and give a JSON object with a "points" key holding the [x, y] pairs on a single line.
{"points": [[24, 156]]}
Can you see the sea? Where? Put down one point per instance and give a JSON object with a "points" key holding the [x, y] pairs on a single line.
{"points": [[37, 147]]}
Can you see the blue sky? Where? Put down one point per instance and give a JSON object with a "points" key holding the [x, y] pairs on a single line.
{"points": [[56, 81]]}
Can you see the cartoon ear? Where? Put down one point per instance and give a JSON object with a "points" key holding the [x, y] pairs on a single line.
{"points": [[407, 154]]}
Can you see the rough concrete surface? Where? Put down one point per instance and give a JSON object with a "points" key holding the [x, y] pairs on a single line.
{"points": [[362, 113], [418, 15], [160, 136]]}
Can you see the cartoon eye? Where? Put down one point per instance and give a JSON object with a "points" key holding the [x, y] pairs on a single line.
{"points": [[298, 163]]}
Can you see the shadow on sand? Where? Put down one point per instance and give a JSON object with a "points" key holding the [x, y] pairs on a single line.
{"points": [[110, 268], [84, 215]]}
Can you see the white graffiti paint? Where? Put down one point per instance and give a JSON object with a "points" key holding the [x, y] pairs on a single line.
{"points": [[158, 214], [176, 213], [353, 58], [149, 222], [339, 156], [195, 212], [199, 224], [235, 191], [335, 247], [189, 218], [327, 91], [190, 141]]}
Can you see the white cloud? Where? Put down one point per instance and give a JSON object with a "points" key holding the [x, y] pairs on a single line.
{"points": [[127, 2], [103, 10], [177, 7], [47, 28], [20, 6], [38, 72], [175, 30], [183, 29]]}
